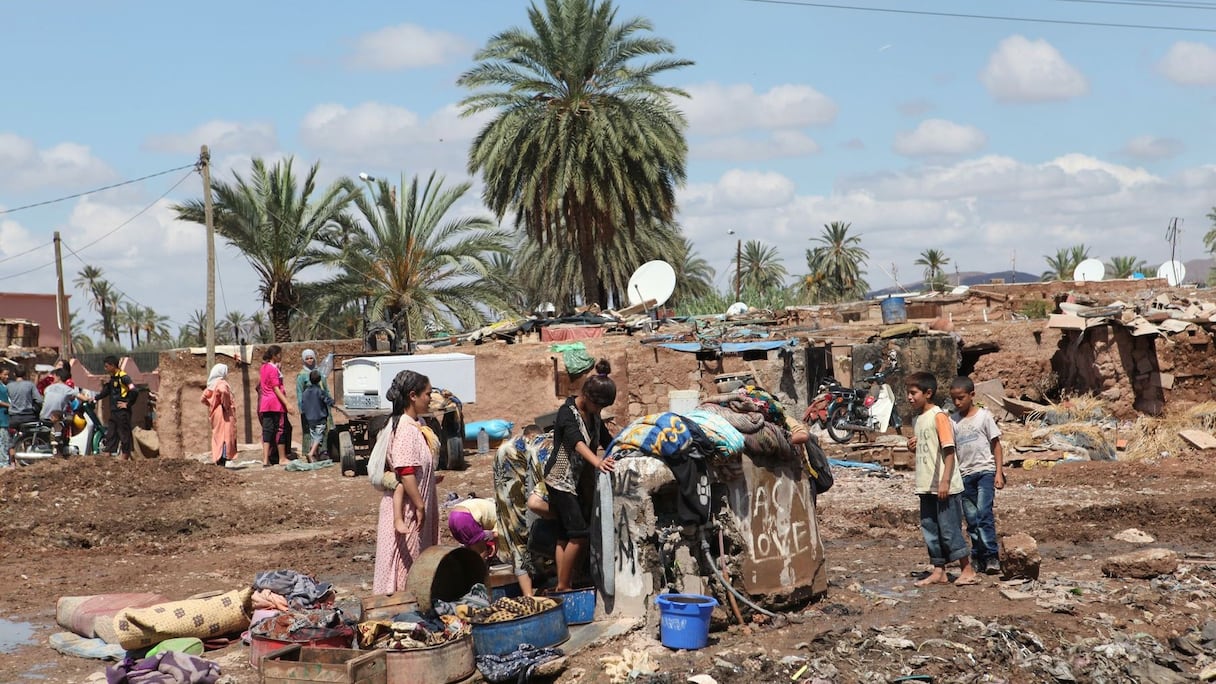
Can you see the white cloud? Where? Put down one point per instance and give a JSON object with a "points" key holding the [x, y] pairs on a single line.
{"points": [[1023, 70], [1189, 63], [376, 135], [249, 138], [1153, 147], [24, 167], [980, 211], [781, 144], [716, 109], [406, 46], [939, 138]]}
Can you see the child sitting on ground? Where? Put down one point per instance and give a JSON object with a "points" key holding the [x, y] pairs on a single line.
{"points": [[981, 464], [938, 484], [472, 523]]}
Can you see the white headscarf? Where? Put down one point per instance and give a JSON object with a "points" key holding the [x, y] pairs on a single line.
{"points": [[218, 372], [309, 354]]}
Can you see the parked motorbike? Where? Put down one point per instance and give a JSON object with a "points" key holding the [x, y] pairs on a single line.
{"points": [[869, 408], [33, 441]]}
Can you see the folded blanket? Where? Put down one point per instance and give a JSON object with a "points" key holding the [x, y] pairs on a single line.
{"points": [[727, 439], [659, 434], [745, 422]]}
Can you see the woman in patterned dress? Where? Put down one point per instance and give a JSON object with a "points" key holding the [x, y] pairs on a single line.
{"points": [[409, 515]]}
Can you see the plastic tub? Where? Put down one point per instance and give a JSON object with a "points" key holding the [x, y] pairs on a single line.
{"points": [[542, 630], [335, 637], [578, 604], [684, 620], [894, 310]]}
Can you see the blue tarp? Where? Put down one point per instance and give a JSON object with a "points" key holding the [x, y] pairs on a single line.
{"points": [[731, 347]]}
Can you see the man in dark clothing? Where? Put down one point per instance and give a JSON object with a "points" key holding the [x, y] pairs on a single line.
{"points": [[120, 388]]}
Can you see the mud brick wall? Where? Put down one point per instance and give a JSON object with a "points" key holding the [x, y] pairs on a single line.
{"points": [[1110, 362], [936, 354], [1187, 362], [1023, 361], [1104, 291]]}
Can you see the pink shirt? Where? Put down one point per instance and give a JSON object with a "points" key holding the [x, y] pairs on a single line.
{"points": [[271, 377]]}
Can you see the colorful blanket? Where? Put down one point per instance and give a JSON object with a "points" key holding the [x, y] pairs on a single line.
{"points": [[726, 438], [660, 435]]}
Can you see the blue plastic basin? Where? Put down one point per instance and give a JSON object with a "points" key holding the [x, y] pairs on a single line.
{"points": [[579, 605], [684, 620], [541, 630]]}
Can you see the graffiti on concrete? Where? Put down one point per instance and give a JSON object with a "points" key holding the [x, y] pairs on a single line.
{"points": [[775, 510]]}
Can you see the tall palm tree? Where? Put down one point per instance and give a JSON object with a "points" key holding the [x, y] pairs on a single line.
{"points": [[694, 275], [760, 267], [260, 329], [196, 328], [836, 266], [412, 263], [1209, 238], [1125, 266], [1065, 262], [933, 260], [233, 327], [155, 326], [91, 281], [81, 343], [584, 141], [275, 220], [130, 317]]}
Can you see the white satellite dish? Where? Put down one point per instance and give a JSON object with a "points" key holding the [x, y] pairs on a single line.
{"points": [[1174, 272], [961, 290], [737, 309], [1088, 271], [653, 280]]}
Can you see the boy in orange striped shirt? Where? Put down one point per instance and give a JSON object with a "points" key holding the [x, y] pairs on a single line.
{"points": [[938, 484]]}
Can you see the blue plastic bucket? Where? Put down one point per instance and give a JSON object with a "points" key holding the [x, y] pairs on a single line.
{"points": [[579, 605], [684, 620], [894, 310]]}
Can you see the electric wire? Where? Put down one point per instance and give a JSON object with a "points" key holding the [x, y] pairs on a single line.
{"points": [[988, 17], [28, 251], [1147, 3], [96, 190], [121, 295]]}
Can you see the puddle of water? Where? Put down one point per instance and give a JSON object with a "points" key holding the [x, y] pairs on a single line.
{"points": [[14, 634]]}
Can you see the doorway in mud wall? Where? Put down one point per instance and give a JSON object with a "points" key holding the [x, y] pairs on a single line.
{"points": [[971, 354], [818, 366]]}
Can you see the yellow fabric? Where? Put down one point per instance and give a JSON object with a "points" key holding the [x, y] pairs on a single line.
{"points": [[202, 618], [930, 456], [484, 511]]}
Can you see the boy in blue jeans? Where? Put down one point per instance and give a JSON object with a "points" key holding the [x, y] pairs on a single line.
{"points": [[314, 413], [938, 485], [981, 462]]}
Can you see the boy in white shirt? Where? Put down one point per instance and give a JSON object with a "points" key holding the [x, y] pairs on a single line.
{"points": [[977, 440]]}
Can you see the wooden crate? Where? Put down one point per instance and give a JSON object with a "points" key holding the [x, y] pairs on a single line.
{"points": [[385, 607], [297, 664]]}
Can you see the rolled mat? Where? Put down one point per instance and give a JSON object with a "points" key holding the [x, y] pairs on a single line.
{"points": [[203, 618], [80, 614]]}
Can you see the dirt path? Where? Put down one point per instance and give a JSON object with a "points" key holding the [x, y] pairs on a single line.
{"points": [[179, 527]]}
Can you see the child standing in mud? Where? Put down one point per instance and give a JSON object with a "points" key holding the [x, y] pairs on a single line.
{"points": [[981, 462], [938, 484]]}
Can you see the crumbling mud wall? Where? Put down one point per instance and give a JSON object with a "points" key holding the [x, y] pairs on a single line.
{"points": [[1187, 362], [936, 354], [1113, 364], [1022, 359]]}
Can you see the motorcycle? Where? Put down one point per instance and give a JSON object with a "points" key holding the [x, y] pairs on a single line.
{"points": [[868, 409], [79, 433]]}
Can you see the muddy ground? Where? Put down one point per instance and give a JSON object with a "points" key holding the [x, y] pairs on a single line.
{"points": [[180, 527]]}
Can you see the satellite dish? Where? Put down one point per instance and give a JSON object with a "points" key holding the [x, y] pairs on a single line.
{"points": [[960, 290], [1088, 271], [1173, 272], [653, 280], [737, 309]]}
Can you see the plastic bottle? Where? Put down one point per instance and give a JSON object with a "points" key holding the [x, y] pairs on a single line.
{"points": [[483, 442]]}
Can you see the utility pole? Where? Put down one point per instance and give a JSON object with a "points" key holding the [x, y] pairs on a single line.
{"points": [[1171, 235], [738, 268], [204, 163], [1013, 267], [61, 306]]}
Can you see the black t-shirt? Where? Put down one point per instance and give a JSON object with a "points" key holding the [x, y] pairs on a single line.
{"points": [[569, 429]]}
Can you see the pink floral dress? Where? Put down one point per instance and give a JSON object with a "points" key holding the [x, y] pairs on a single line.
{"points": [[413, 444]]}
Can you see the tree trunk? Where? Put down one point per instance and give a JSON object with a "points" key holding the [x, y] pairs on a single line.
{"points": [[280, 316]]}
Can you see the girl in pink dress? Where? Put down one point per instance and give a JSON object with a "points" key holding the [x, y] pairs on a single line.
{"points": [[218, 399], [409, 515], [272, 406]]}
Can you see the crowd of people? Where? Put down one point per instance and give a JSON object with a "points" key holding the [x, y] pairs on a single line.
{"points": [[55, 402]]}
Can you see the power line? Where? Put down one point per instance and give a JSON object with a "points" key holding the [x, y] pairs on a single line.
{"points": [[959, 15], [108, 233], [95, 190], [121, 295], [31, 249], [1165, 4]]}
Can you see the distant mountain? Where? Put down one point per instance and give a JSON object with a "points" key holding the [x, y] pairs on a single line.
{"points": [[1197, 269], [969, 278]]}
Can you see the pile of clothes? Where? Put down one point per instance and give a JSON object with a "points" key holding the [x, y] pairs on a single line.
{"points": [[303, 625], [511, 608], [760, 418], [447, 621], [284, 590], [684, 447]]}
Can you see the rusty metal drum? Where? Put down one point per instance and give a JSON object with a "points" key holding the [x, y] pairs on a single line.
{"points": [[451, 662]]}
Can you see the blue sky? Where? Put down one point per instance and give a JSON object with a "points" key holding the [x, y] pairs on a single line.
{"points": [[984, 139]]}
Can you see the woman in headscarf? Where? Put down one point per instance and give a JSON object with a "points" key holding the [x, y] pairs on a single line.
{"points": [[409, 515], [218, 399]]}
